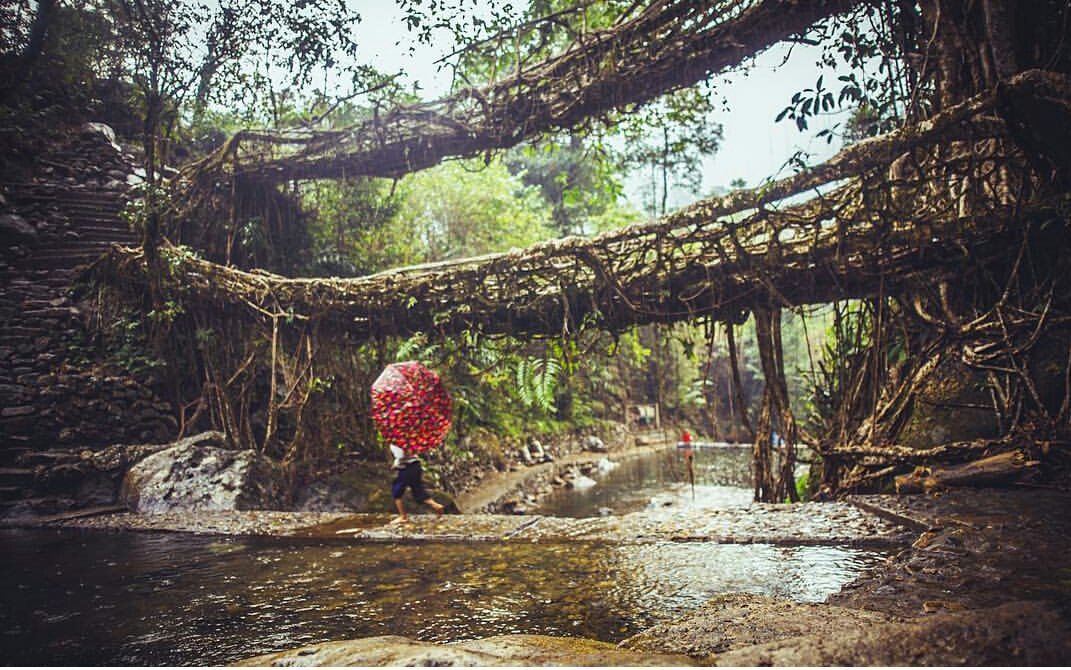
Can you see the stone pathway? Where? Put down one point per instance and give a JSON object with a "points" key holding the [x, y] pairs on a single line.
{"points": [[841, 524]]}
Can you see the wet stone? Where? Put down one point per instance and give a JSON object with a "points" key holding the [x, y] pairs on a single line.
{"points": [[735, 526], [526, 650], [736, 621]]}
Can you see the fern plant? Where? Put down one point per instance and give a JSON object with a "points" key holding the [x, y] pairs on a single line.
{"points": [[417, 348], [537, 378]]}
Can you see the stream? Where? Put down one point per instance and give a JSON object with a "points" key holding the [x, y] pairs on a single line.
{"points": [[660, 480], [142, 598]]}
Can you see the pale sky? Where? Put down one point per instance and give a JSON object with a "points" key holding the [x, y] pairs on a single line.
{"points": [[753, 147]]}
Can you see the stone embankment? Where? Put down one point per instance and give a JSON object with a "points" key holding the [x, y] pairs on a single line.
{"points": [[54, 401]]}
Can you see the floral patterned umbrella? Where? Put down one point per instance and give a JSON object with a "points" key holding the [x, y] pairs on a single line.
{"points": [[410, 406]]}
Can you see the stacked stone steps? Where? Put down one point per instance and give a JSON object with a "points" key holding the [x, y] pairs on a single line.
{"points": [[58, 397], [87, 223], [15, 482]]}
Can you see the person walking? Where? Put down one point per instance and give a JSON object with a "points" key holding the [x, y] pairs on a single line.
{"points": [[409, 475], [413, 413]]}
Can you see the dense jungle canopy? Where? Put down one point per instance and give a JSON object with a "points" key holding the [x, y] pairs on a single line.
{"points": [[485, 230]]}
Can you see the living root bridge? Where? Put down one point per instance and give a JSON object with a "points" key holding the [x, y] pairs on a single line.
{"points": [[916, 205], [553, 289], [668, 45]]}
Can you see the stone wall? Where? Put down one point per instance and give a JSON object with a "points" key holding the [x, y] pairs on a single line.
{"points": [[58, 395]]}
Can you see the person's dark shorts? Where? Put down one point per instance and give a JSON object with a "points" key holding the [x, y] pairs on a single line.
{"points": [[409, 476]]}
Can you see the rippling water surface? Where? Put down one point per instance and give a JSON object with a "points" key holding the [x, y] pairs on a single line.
{"points": [[96, 598], [722, 479]]}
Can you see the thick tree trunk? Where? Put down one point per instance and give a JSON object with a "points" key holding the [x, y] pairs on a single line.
{"points": [[1000, 468], [738, 389], [775, 449]]}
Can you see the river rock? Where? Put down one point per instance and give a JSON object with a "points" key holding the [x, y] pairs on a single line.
{"points": [[741, 620], [1016, 634], [118, 456], [202, 477], [13, 226], [582, 482], [526, 455], [606, 465], [500, 650], [595, 443], [538, 452], [103, 130]]}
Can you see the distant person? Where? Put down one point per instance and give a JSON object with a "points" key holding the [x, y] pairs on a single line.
{"points": [[409, 476], [686, 445]]}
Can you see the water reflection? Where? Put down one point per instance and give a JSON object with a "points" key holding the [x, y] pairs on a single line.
{"points": [[722, 480], [164, 599]]}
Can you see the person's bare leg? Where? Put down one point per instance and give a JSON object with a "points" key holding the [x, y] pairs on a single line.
{"points": [[435, 506], [402, 516]]}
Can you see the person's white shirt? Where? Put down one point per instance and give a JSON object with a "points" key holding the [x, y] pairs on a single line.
{"points": [[402, 457]]}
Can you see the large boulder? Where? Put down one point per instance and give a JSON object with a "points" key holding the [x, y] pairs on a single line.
{"points": [[1015, 633], [595, 443], [14, 228], [500, 650], [204, 477], [738, 620]]}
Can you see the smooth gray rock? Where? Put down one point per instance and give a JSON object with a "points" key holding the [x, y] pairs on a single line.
{"points": [[200, 477], [500, 650], [1017, 634], [740, 620], [595, 443], [13, 226]]}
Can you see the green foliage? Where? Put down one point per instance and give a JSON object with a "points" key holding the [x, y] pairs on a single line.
{"points": [[628, 346], [502, 37], [165, 313], [803, 336], [351, 227], [808, 102], [669, 139], [417, 348], [175, 256], [803, 486], [578, 178], [869, 62], [137, 212], [458, 209], [126, 341], [846, 343], [465, 208], [536, 380]]}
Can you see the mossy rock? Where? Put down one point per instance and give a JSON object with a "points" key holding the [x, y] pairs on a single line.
{"points": [[939, 415]]}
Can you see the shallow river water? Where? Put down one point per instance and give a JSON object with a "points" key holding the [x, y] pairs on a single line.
{"points": [[722, 479], [106, 598]]}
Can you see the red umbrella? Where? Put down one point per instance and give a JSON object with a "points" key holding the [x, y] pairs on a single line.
{"points": [[411, 407]]}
